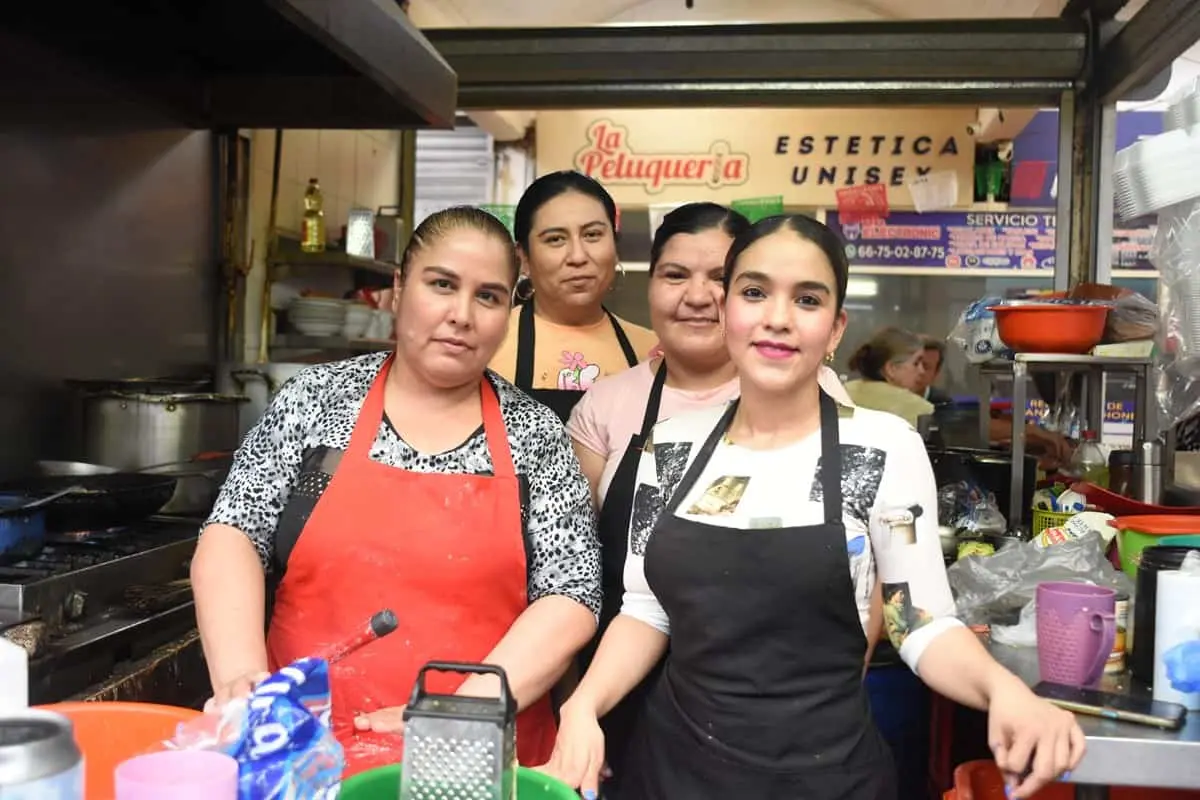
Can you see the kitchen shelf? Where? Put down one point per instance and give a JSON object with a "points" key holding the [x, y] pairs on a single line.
{"points": [[282, 263], [287, 343], [1023, 365]]}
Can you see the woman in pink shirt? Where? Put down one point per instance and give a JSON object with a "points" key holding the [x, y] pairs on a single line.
{"points": [[612, 422]]}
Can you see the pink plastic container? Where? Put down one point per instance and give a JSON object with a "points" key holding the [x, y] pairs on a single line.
{"points": [[178, 775], [1075, 631]]}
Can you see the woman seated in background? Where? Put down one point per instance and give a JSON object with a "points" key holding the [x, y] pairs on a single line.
{"points": [[562, 339], [415, 481], [757, 531], [1053, 449], [610, 425], [892, 367]]}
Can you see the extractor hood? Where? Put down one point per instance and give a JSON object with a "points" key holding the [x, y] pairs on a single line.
{"points": [[249, 63]]}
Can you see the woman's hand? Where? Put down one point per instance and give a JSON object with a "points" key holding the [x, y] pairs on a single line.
{"points": [[1034, 742], [241, 686], [384, 720], [578, 757]]}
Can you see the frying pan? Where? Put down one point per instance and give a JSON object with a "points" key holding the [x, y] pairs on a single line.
{"points": [[105, 501]]}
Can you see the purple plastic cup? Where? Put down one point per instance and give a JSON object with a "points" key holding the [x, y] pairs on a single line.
{"points": [[1075, 631], [178, 775]]}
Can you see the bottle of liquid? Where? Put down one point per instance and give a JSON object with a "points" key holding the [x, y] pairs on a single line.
{"points": [[1088, 463], [312, 238]]}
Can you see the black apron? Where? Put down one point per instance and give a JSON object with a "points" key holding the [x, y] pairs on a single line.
{"points": [[560, 401], [613, 528], [762, 695]]}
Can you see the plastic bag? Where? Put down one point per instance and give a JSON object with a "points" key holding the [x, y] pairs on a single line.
{"points": [[280, 736], [1183, 660], [1176, 255], [1023, 634], [995, 589], [975, 332]]}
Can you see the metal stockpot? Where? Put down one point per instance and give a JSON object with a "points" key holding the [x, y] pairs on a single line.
{"points": [[134, 430]]}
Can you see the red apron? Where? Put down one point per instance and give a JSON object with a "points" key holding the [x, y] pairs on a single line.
{"points": [[445, 552]]}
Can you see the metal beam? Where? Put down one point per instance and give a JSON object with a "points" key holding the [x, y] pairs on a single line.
{"points": [[750, 94], [1148, 44], [961, 61]]}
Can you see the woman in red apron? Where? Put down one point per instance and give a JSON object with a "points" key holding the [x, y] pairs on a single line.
{"points": [[413, 481], [756, 529], [562, 339]]}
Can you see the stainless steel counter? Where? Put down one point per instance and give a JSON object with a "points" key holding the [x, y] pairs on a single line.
{"points": [[1120, 753]]}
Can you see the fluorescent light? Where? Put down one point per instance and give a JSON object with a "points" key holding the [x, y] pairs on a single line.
{"points": [[862, 287]]}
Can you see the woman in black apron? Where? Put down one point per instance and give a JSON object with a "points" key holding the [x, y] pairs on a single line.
{"points": [[561, 339], [611, 424], [762, 695]]}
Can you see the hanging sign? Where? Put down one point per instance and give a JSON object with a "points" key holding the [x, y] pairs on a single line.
{"points": [[1021, 239], [803, 156]]}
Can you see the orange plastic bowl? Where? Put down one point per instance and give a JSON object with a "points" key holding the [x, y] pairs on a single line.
{"points": [[1050, 327]]}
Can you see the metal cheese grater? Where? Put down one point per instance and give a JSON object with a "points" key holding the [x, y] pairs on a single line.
{"points": [[459, 748]]}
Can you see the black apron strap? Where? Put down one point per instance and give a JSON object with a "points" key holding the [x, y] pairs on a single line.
{"points": [[631, 355], [654, 401], [523, 377], [831, 460], [527, 346]]}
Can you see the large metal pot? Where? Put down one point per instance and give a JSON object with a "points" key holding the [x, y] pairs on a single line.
{"points": [[133, 430]]}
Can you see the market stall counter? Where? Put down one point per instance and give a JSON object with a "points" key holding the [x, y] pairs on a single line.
{"points": [[1118, 753]]}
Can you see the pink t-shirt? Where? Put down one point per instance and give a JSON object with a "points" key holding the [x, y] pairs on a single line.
{"points": [[610, 412]]}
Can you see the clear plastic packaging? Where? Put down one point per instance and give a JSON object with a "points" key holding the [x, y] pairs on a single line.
{"points": [[280, 736], [1176, 254]]}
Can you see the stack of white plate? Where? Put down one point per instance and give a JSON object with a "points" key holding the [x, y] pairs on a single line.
{"points": [[317, 316], [1157, 172], [358, 317]]}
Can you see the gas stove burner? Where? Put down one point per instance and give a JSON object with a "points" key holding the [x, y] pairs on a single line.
{"points": [[80, 536]]}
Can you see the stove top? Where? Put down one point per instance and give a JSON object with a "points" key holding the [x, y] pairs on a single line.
{"points": [[69, 552], [89, 602], [75, 572]]}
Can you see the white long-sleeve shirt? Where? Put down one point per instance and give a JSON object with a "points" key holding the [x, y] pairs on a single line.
{"points": [[889, 507]]}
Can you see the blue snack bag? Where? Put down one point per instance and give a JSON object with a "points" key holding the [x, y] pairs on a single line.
{"points": [[285, 748]]}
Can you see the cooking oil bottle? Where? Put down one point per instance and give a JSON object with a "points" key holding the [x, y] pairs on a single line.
{"points": [[312, 238]]}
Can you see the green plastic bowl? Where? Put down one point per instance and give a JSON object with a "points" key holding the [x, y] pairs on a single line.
{"points": [[383, 783]]}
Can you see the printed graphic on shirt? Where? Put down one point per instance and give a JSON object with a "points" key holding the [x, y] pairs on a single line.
{"points": [[902, 522], [862, 471], [900, 616], [670, 462], [577, 374], [721, 497]]}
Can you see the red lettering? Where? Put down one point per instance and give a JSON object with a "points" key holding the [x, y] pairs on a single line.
{"points": [[609, 157]]}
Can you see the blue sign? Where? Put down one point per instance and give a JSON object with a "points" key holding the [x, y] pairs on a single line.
{"points": [[953, 239], [1004, 240], [1035, 152]]}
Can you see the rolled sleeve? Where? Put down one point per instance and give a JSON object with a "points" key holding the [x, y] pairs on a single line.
{"points": [[918, 604], [564, 547], [266, 466], [584, 427]]}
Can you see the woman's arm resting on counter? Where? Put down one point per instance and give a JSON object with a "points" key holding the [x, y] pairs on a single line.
{"points": [[537, 649], [230, 589]]}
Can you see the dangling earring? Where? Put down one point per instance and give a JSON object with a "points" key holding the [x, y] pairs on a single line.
{"points": [[523, 291], [620, 277], [829, 357]]}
